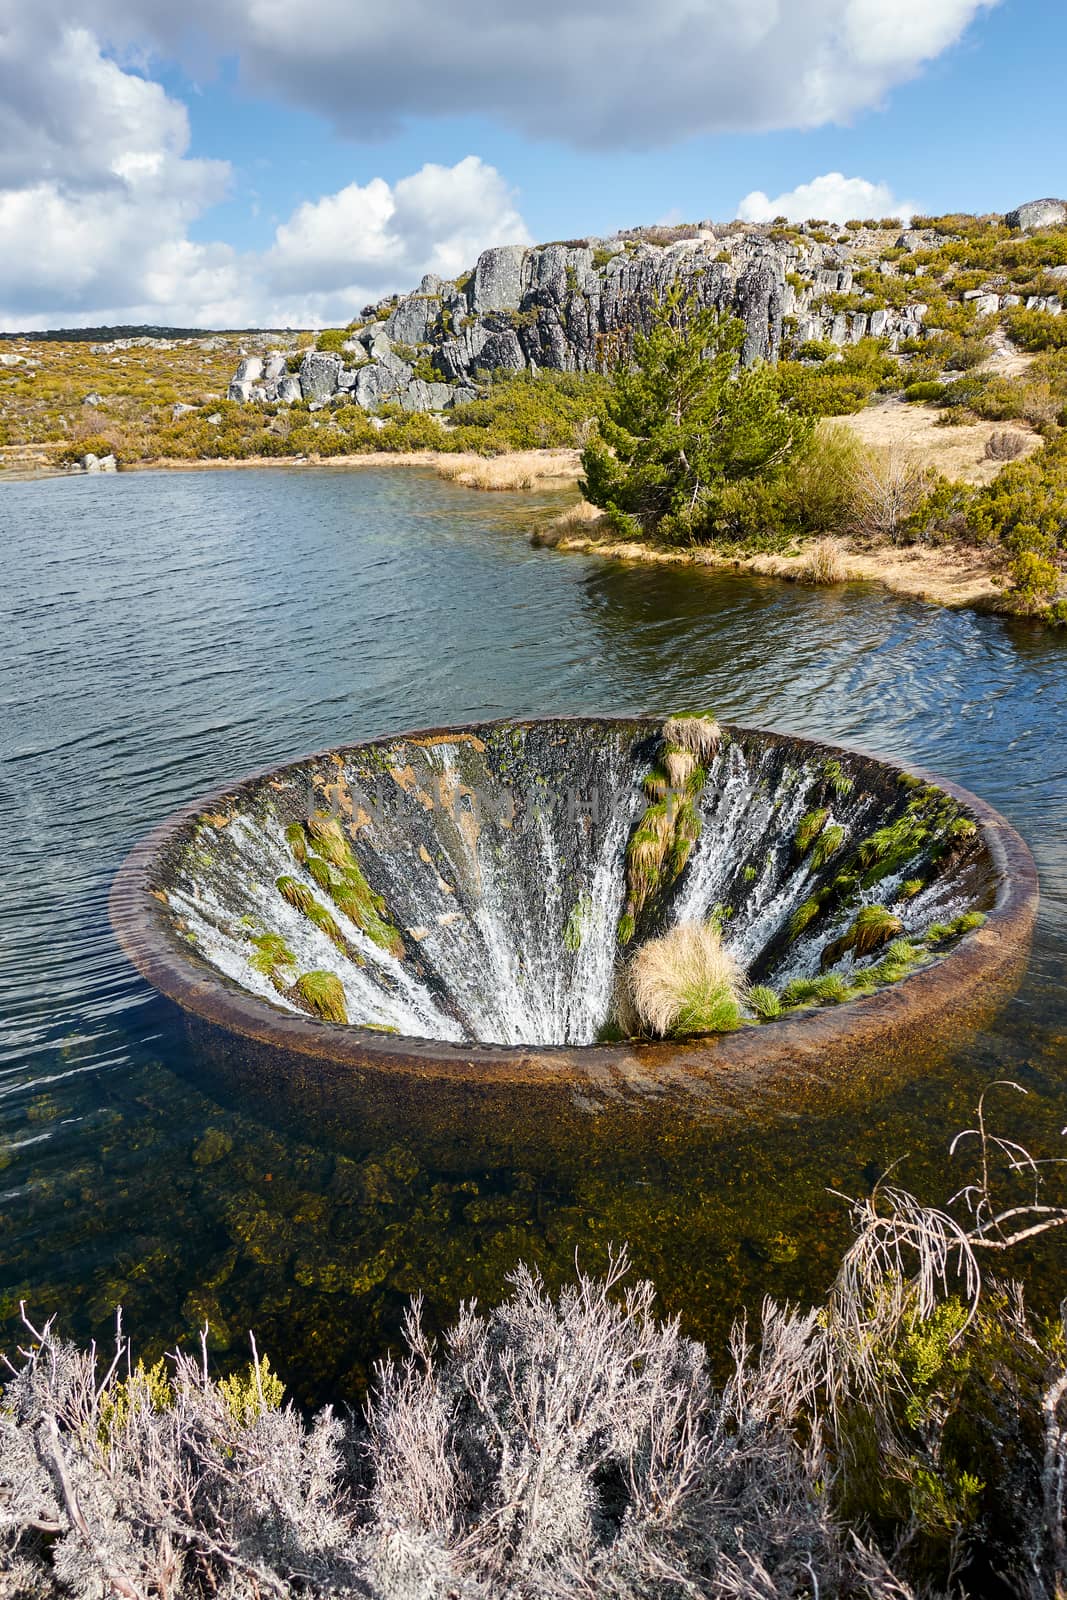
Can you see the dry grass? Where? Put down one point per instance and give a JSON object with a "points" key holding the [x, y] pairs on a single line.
{"points": [[520, 469], [700, 736], [822, 562], [685, 982], [679, 766], [914, 431]]}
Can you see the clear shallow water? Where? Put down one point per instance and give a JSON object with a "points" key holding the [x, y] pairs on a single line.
{"points": [[164, 634]]}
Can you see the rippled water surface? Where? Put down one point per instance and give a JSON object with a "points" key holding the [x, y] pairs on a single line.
{"points": [[162, 634]]}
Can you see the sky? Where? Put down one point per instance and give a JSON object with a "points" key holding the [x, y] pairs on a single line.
{"points": [[241, 163]]}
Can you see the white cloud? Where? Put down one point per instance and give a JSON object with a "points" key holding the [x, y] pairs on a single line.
{"points": [[626, 74], [101, 201], [98, 196], [831, 196], [374, 236]]}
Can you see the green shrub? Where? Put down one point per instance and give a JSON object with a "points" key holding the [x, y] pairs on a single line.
{"points": [[97, 444], [924, 391], [529, 411], [956, 352], [836, 388], [332, 340], [1034, 577], [1036, 330], [815, 350]]}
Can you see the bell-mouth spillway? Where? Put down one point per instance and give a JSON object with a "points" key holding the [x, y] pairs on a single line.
{"points": [[458, 904]]}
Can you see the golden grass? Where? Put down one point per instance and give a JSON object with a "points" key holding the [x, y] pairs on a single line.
{"points": [[822, 562], [680, 766], [685, 982], [519, 469], [913, 431], [699, 736]]}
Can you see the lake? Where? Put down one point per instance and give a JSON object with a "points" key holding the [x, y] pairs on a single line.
{"points": [[165, 633]]}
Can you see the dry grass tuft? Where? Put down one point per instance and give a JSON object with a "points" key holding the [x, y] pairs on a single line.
{"points": [[700, 735], [685, 982], [823, 563], [680, 766], [581, 518]]}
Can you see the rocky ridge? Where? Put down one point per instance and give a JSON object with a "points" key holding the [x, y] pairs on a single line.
{"points": [[574, 306]]}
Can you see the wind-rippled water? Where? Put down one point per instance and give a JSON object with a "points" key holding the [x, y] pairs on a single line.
{"points": [[162, 634]]}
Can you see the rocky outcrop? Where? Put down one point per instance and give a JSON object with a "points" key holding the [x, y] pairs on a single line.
{"points": [[1038, 214], [575, 307], [571, 307]]}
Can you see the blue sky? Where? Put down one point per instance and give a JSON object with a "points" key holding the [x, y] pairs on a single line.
{"points": [[245, 164]]}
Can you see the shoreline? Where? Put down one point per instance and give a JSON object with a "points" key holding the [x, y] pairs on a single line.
{"points": [[952, 576], [955, 577], [560, 467]]}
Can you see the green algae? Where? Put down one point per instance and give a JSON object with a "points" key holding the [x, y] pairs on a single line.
{"points": [[271, 956], [826, 845], [331, 861], [835, 775], [872, 927], [322, 994], [804, 915], [808, 830], [296, 839], [296, 893], [764, 1002], [324, 921], [577, 921]]}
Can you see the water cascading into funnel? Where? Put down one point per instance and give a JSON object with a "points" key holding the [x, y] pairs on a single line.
{"points": [[491, 885]]}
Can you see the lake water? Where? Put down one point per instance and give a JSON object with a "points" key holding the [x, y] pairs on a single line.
{"points": [[162, 634]]}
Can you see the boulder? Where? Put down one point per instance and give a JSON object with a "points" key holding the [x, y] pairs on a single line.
{"points": [[318, 375], [93, 463], [499, 279], [411, 321], [422, 396], [249, 371], [276, 367], [377, 385], [289, 389], [239, 390], [1037, 214], [179, 410]]}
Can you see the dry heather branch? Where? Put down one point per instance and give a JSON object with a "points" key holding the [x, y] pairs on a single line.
{"points": [[888, 488], [1004, 445]]}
